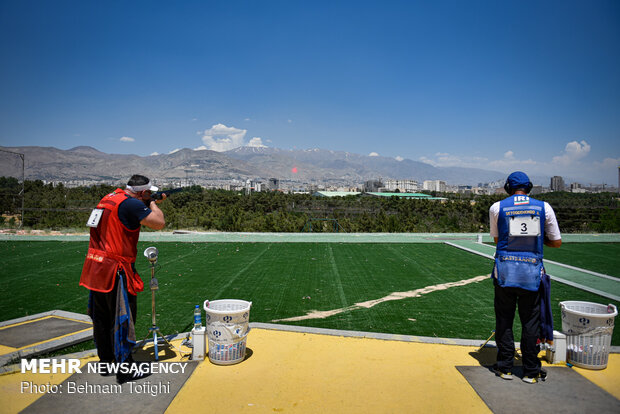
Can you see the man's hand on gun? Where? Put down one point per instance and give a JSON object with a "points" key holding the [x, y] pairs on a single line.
{"points": [[156, 197], [160, 196]]}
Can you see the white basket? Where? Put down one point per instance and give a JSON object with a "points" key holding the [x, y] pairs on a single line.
{"points": [[227, 329], [588, 328]]}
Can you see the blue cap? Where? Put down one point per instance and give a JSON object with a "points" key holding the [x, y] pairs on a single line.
{"points": [[518, 180]]}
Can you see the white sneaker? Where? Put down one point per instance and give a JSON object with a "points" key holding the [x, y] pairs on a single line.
{"points": [[503, 375], [542, 375]]}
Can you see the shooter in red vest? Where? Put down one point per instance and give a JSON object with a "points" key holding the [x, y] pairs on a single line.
{"points": [[109, 272]]}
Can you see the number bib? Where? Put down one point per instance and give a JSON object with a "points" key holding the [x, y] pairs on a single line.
{"points": [[95, 217], [524, 226]]}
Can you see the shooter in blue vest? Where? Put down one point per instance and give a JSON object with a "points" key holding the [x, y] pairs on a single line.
{"points": [[520, 226]]}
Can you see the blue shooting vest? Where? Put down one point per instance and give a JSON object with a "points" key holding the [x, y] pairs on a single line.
{"points": [[521, 235]]}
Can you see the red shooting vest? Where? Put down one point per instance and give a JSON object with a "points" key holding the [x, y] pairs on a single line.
{"points": [[112, 247]]}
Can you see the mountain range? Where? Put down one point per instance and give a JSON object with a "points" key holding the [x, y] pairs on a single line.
{"points": [[205, 167]]}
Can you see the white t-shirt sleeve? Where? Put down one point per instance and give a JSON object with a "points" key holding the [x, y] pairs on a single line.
{"points": [[493, 215], [552, 230]]}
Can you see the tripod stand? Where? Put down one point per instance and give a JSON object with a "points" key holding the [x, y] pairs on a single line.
{"points": [[154, 330]]}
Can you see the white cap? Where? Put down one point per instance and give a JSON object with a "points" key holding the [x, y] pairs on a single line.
{"points": [[138, 188]]}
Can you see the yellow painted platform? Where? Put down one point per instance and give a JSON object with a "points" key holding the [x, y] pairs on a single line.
{"points": [[313, 373], [308, 373]]}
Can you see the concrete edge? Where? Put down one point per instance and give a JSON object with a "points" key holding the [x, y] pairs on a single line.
{"points": [[487, 256], [7, 369], [216, 236], [385, 336], [579, 269], [49, 346], [26, 318], [369, 335], [72, 315], [63, 314], [585, 288]]}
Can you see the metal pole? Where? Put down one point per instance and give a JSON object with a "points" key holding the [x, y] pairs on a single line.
{"points": [[23, 192], [21, 223], [153, 296]]}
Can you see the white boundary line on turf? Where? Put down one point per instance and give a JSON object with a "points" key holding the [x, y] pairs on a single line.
{"points": [[564, 281]]}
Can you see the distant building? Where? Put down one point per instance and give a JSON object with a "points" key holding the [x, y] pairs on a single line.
{"points": [[435, 185], [557, 183], [252, 186], [403, 186], [485, 190], [598, 188], [577, 188], [372, 186], [537, 189], [273, 184]]}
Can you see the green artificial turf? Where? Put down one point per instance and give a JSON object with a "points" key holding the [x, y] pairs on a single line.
{"points": [[282, 280]]}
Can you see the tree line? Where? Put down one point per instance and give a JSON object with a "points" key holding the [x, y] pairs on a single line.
{"points": [[56, 207]]}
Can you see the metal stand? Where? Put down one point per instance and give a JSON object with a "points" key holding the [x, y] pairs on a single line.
{"points": [[154, 330]]}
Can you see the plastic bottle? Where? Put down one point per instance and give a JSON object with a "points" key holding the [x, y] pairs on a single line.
{"points": [[197, 318]]}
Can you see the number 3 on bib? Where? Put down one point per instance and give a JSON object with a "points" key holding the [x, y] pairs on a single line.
{"points": [[524, 226]]}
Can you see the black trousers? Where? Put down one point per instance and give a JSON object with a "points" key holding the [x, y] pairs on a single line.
{"points": [[103, 313], [506, 301]]}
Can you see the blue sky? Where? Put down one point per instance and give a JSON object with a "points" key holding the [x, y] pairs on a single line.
{"points": [[502, 85]]}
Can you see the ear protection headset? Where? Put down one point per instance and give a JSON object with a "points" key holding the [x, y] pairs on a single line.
{"points": [[508, 188]]}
